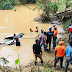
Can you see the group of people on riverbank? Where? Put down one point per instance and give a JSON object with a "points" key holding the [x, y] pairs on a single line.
{"points": [[45, 38]]}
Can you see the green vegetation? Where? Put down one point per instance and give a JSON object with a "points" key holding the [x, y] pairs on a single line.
{"points": [[7, 4], [47, 70], [66, 24], [47, 6], [17, 61], [27, 1], [50, 8]]}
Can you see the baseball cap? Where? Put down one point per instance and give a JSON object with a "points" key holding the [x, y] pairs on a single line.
{"points": [[37, 40]]}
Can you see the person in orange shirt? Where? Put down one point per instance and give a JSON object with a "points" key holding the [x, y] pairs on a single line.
{"points": [[55, 32], [59, 53], [31, 30]]}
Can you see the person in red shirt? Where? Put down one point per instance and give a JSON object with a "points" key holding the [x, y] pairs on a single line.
{"points": [[59, 53], [70, 31]]}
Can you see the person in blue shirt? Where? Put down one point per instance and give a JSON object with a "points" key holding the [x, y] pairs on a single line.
{"points": [[68, 52], [49, 37]]}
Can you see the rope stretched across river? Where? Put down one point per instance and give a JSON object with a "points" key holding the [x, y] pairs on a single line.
{"points": [[28, 38]]}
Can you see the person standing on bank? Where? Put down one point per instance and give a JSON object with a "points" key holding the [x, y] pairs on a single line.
{"points": [[37, 51], [43, 41], [59, 53], [68, 52], [55, 32], [70, 31], [49, 38]]}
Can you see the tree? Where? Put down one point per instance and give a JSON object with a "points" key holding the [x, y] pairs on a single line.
{"points": [[7, 4], [50, 8]]}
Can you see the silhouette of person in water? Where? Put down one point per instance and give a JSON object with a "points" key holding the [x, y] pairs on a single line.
{"points": [[36, 29]]}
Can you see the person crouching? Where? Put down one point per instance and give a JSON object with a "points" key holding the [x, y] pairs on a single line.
{"points": [[37, 51]]}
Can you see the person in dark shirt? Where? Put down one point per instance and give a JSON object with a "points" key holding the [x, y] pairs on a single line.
{"points": [[37, 51], [49, 37]]}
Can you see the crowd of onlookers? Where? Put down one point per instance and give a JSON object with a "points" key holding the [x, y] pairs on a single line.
{"points": [[45, 38]]}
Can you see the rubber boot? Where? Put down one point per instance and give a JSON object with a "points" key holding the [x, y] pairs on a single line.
{"points": [[35, 63]]}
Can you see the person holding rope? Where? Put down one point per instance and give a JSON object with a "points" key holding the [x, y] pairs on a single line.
{"points": [[40, 34], [43, 41]]}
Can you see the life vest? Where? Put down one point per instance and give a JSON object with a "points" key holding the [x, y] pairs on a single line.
{"points": [[70, 28]]}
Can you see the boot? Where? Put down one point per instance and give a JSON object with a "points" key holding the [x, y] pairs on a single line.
{"points": [[35, 63], [42, 63]]}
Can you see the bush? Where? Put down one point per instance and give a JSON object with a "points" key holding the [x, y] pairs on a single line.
{"points": [[27, 1], [7, 4], [66, 24], [30, 1], [47, 70]]}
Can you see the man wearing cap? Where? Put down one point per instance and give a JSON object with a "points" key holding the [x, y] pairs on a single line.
{"points": [[70, 30], [37, 51], [59, 53], [55, 32], [49, 37]]}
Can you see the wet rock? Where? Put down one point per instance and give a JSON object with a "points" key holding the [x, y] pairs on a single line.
{"points": [[56, 22]]}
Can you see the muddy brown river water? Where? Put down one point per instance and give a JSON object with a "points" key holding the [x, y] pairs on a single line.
{"points": [[19, 21]]}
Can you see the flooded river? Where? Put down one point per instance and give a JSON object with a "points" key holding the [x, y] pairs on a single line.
{"points": [[19, 21]]}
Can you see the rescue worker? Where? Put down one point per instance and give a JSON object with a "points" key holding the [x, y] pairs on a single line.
{"points": [[59, 53], [55, 32]]}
